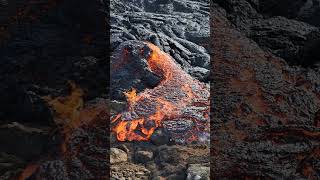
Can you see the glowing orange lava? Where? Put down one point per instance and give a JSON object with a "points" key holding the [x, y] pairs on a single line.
{"points": [[147, 110]]}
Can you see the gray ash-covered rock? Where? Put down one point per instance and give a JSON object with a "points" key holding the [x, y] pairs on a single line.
{"points": [[180, 28], [144, 156]]}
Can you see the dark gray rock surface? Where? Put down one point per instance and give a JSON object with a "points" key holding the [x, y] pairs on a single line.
{"points": [[278, 26], [43, 45], [180, 28], [265, 121]]}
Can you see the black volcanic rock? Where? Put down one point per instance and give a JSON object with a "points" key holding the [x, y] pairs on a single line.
{"points": [[160, 137], [304, 10], [87, 153], [286, 8], [283, 37], [43, 45], [264, 109], [281, 27], [131, 71], [14, 137], [310, 52], [18, 104], [179, 28], [49, 51]]}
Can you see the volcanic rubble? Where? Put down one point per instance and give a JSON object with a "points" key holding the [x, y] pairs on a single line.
{"points": [[265, 102]]}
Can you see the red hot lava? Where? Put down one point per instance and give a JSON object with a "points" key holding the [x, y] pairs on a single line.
{"points": [[179, 104]]}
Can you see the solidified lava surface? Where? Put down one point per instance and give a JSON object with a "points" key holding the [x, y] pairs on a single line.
{"points": [[43, 45], [265, 100], [178, 27], [54, 86], [154, 89]]}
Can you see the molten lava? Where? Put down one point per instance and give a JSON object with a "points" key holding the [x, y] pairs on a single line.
{"points": [[179, 104]]}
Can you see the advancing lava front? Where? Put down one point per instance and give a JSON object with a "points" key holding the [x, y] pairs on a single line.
{"points": [[174, 100]]}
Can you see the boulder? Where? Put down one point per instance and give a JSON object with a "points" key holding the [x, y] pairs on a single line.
{"points": [[198, 172], [117, 156]]}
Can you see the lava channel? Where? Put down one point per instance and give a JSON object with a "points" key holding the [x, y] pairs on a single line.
{"points": [[179, 103]]}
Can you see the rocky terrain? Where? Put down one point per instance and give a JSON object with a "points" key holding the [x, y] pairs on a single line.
{"points": [[178, 27], [55, 104], [53, 71], [54, 89], [181, 29], [265, 98]]}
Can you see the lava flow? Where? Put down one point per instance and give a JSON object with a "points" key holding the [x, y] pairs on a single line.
{"points": [[179, 103]]}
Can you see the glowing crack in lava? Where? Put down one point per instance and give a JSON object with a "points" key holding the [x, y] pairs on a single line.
{"points": [[178, 103]]}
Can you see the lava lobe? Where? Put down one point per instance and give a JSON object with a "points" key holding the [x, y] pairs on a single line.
{"points": [[176, 102]]}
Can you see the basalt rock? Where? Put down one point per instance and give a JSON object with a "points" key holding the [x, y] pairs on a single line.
{"points": [[34, 50], [33, 141], [143, 156], [84, 152], [264, 109], [303, 10], [43, 45], [32, 108], [177, 27], [129, 70], [280, 27]]}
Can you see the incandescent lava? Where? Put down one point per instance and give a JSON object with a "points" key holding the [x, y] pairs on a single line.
{"points": [[178, 103]]}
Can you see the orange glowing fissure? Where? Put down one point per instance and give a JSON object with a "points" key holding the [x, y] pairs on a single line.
{"points": [[174, 79]]}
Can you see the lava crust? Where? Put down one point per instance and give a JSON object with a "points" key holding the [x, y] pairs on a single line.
{"points": [[265, 110]]}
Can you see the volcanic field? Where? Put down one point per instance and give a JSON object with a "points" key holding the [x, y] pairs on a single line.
{"points": [[68, 111]]}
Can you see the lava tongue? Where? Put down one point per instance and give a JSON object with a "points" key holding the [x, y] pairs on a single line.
{"points": [[163, 104]]}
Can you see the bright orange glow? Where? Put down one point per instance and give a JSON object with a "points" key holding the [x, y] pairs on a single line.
{"points": [[132, 97], [166, 101]]}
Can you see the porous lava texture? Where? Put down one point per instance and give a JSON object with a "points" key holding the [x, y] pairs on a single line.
{"points": [[178, 27], [289, 30], [265, 106]]}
